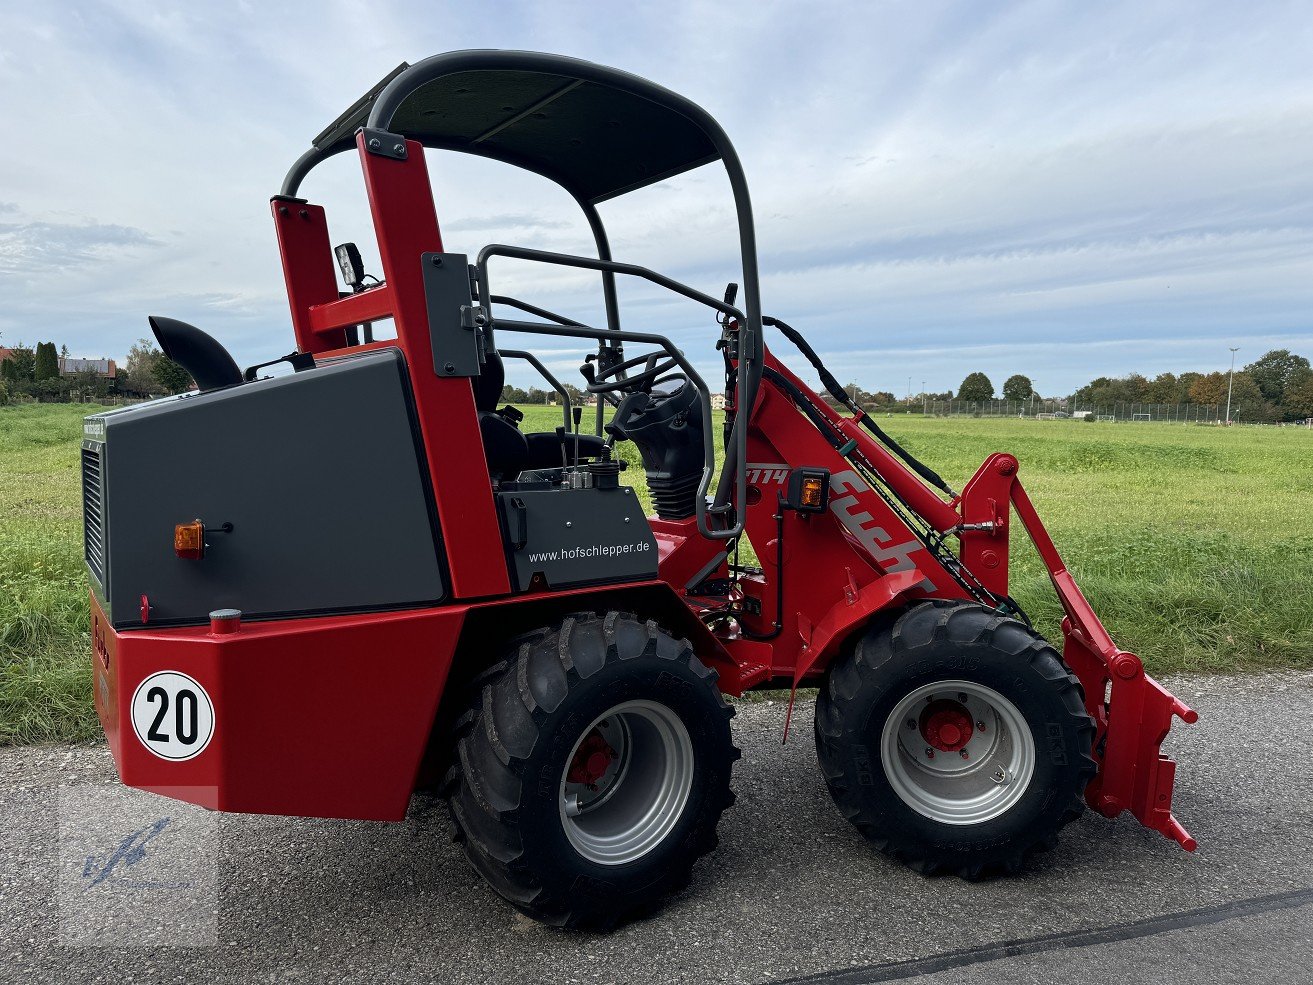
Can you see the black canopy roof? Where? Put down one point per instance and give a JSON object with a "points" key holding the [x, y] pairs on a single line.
{"points": [[597, 131]]}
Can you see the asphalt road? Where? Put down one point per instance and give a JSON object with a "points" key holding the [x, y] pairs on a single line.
{"points": [[792, 893]]}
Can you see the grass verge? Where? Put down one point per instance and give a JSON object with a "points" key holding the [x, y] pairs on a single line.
{"points": [[1193, 543]]}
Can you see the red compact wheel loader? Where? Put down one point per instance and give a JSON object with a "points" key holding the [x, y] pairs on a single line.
{"points": [[317, 590]]}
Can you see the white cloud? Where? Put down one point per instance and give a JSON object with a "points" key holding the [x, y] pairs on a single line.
{"points": [[1062, 190]]}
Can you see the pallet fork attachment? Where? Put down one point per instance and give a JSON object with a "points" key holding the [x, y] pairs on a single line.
{"points": [[1132, 712]]}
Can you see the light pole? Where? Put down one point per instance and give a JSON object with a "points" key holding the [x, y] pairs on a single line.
{"points": [[1230, 379], [925, 400]]}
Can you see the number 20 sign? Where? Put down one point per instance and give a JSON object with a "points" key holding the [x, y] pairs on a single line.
{"points": [[172, 715]]}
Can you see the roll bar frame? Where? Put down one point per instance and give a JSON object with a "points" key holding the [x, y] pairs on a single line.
{"points": [[583, 331], [732, 489]]}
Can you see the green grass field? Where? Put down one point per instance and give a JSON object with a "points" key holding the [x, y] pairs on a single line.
{"points": [[1193, 543]]}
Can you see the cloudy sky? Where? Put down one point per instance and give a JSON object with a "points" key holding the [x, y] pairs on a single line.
{"points": [[1059, 189]]}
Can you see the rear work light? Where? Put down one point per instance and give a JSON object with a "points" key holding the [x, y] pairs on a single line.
{"points": [[189, 540]]}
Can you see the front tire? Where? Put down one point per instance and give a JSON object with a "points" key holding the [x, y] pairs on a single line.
{"points": [[595, 768], [955, 739]]}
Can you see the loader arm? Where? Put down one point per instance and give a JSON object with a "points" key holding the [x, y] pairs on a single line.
{"points": [[1132, 712]]}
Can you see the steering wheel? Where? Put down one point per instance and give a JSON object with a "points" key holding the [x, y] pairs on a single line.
{"points": [[609, 380]]}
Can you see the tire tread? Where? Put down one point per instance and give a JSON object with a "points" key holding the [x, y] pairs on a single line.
{"points": [[504, 723], [924, 627]]}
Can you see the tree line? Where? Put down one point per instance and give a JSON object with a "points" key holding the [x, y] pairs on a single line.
{"points": [[536, 395], [1276, 387], [976, 386], [33, 371]]}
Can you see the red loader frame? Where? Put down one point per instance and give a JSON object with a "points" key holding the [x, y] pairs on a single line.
{"points": [[871, 562]]}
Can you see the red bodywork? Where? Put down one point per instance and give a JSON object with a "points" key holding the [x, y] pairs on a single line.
{"points": [[331, 716]]}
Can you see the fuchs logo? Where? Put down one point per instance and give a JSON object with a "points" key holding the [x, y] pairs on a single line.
{"points": [[845, 504], [767, 475], [102, 650]]}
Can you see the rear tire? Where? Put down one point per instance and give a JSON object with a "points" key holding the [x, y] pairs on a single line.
{"points": [[594, 769], [955, 740]]}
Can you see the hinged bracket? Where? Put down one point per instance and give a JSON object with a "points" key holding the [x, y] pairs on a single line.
{"points": [[385, 144], [455, 320], [473, 316]]}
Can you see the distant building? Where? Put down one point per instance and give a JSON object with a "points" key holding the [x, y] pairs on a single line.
{"points": [[717, 401], [103, 368]]}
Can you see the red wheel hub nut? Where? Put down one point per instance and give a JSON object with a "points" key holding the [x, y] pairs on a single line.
{"points": [[591, 759], [946, 725]]}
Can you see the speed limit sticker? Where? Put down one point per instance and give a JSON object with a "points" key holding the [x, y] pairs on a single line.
{"points": [[172, 715]]}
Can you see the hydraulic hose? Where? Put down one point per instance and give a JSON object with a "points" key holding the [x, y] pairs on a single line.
{"points": [[930, 538], [800, 401], [837, 391]]}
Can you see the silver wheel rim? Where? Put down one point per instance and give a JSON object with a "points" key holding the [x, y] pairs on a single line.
{"points": [[627, 808], [922, 748]]}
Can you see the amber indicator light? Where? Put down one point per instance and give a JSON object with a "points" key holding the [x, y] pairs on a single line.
{"points": [[813, 492], [809, 490], [189, 540]]}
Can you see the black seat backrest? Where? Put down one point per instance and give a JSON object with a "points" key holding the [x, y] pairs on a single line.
{"points": [[503, 444], [489, 384], [509, 451]]}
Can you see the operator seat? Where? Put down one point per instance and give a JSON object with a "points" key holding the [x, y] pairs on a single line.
{"points": [[508, 449]]}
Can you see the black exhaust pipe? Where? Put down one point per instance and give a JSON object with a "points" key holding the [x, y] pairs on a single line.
{"points": [[199, 354]]}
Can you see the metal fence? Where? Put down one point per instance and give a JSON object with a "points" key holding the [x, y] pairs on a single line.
{"points": [[76, 397], [1059, 409]]}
